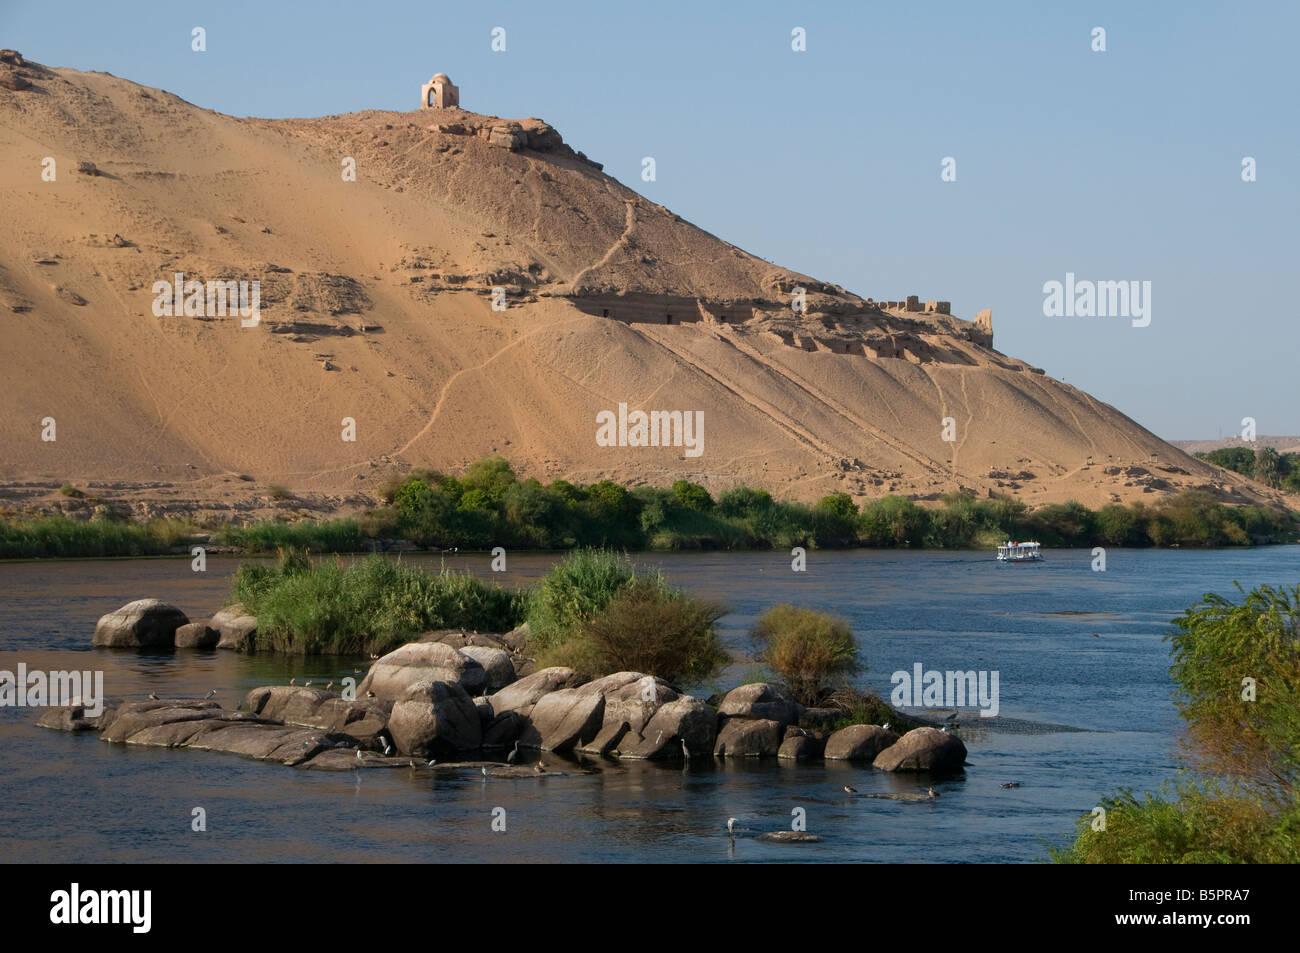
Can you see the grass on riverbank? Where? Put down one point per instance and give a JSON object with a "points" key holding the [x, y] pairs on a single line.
{"points": [[60, 536], [323, 536], [372, 606]]}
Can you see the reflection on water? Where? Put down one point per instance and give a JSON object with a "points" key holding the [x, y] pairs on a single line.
{"points": [[1084, 710]]}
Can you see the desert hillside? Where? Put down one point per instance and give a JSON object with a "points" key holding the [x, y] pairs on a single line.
{"points": [[376, 304]]}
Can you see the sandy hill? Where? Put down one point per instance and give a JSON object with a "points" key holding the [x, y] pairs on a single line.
{"points": [[376, 303]]}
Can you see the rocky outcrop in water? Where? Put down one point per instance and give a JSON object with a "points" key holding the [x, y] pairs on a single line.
{"points": [[145, 623], [391, 676], [859, 743], [923, 749], [435, 719], [417, 704]]}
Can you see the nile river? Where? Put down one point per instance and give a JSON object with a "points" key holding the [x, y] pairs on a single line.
{"points": [[1085, 709]]}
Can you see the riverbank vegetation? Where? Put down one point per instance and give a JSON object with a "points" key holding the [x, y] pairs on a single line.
{"points": [[1281, 471], [489, 506], [321, 606], [61, 536], [1237, 675], [595, 612]]}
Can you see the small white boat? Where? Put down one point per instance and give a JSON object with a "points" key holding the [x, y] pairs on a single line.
{"points": [[1010, 552]]}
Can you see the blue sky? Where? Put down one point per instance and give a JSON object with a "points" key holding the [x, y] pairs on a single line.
{"points": [[1122, 165]]}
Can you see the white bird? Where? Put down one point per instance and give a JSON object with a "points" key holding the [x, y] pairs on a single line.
{"points": [[944, 729], [153, 696], [540, 767], [484, 770], [660, 738], [211, 693], [292, 681], [685, 750], [731, 824], [432, 762], [849, 790], [359, 754], [388, 749], [510, 758], [307, 684], [885, 726]]}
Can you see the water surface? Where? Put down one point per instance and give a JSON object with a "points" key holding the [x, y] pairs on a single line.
{"points": [[1085, 709]]}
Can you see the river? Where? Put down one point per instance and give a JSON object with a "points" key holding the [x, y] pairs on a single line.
{"points": [[1085, 709]]}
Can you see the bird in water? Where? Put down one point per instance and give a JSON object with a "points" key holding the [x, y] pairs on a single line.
{"points": [[932, 794], [484, 770], [1012, 784], [731, 827], [849, 790], [685, 750], [510, 758], [211, 693]]}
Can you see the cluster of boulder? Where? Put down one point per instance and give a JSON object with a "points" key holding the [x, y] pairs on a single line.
{"points": [[438, 701], [152, 623]]}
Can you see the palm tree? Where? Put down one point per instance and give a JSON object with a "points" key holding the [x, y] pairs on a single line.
{"points": [[1268, 466]]}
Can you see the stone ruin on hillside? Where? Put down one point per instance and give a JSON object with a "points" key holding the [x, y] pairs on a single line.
{"points": [[439, 93]]}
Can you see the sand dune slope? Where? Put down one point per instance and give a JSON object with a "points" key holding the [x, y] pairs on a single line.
{"points": [[376, 307]]}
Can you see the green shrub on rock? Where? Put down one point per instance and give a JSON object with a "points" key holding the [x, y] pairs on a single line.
{"points": [[806, 647]]}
